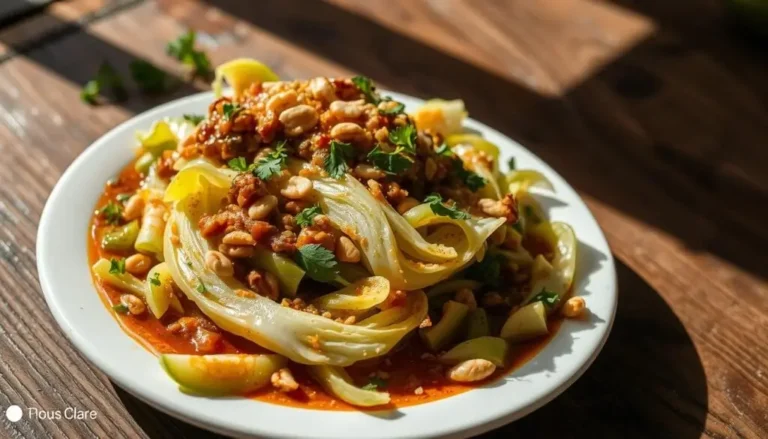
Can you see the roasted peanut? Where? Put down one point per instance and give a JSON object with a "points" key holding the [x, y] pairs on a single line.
{"points": [[369, 172], [264, 284], [471, 370], [322, 89], [298, 120], [283, 380], [262, 207], [574, 307], [137, 264], [219, 264], [494, 208], [348, 132], [236, 251], [407, 204], [238, 237], [282, 101], [134, 304], [134, 208], [346, 251], [298, 188], [347, 109]]}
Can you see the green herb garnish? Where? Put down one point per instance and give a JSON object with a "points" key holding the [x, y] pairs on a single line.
{"points": [[366, 87], [155, 280], [318, 262], [272, 164], [549, 298], [117, 266], [375, 383], [391, 162], [201, 287], [444, 150], [305, 217], [122, 198], [120, 309], [435, 202], [106, 78], [512, 164], [395, 110], [194, 118], [183, 49], [471, 179], [149, 78], [238, 164], [112, 212], [336, 161], [405, 137], [487, 271], [230, 110]]}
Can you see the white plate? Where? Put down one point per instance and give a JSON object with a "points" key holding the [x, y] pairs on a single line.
{"points": [[62, 262]]}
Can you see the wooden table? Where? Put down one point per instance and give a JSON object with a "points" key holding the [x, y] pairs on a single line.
{"points": [[657, 114]]}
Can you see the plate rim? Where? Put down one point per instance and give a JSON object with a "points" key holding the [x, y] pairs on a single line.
{"points": [[472, 425]]}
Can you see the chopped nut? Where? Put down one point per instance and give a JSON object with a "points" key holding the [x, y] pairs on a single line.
{"points": [[471, 370], [134, 304], [418, 391], [283, 380], [238, 237], [575, 307], [138, 264], [219, 264]]}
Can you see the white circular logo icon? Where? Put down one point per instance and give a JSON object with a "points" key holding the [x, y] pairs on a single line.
{"points": [[13, 413]]}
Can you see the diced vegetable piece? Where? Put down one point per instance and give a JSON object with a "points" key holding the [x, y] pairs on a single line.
{"points": [[526, 323], [493, 349], [288, 273], [144, 162], [225, 374], [121, 238], [477, 324], [240, 74], [442, 333], [150, 238], [158, 139], [335, 380], [160, 289], [453, 285], [563, 240], [441, 117], [124, 281]]}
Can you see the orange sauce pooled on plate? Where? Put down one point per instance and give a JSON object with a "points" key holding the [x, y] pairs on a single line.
{"points": [[404, 369]]}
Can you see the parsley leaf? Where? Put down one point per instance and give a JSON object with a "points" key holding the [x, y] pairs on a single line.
{"points": [[117, 266], [394, 110], [444, 150], [238, 164], [201, 287], [366, 87], [305, 217], [183, 49], [231, 110], [155, 280], [149, 78], [375, 383], [194, 118], [120, 309], [435, 202], [549, 298], [471, 179], [106, 77], [318, 262], [272, 164], [391, 162], [112, 212], [405, 137], [487, 271], [336, 163], [511, 163]]}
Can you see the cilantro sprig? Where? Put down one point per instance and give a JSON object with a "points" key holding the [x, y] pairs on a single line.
{"points": [[183, 49], [471, 179], [111, 212], [366, 87], [404, 137], [336, 161], [396, 109], [438, 207], [305, 217], [194, 118], [230, 110], [272, 164], [106, 78], [155, 280], [238, 164], [149, 78], [549, 298], [117, 266], [120, 309], [390, 162], [444, 150], [319, 262]]}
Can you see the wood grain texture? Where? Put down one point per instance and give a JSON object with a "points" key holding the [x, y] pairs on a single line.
{"points": [[655, 114]]}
